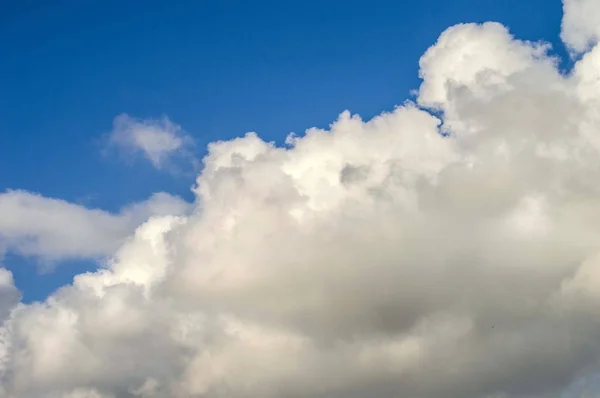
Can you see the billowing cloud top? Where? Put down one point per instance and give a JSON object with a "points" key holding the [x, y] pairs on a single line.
{"points": [[581, 24], [378, 258]]}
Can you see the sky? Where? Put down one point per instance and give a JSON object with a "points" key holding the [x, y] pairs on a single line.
{"points": [[68, 68], [189, 186]]}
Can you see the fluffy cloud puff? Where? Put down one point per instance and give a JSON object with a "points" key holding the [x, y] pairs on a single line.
{"points": [[581, 24], [407, 255]]}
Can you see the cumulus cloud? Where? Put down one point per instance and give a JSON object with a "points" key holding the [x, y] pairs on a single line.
{"points": [[376, 258], [581, 24], [160, 141], [52, 229]]}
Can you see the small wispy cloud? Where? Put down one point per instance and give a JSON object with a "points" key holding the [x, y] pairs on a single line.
{"points": [[164, 143]]}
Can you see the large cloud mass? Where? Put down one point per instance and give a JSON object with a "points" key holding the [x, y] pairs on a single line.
{"points": [[404, 256]]}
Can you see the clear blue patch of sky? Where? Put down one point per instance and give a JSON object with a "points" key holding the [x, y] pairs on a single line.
{"points": [[37, 282], [219, 69]]}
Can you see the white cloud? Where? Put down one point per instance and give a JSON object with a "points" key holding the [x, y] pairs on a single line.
{"points": [[53, 229], [9, 295], [374, 259], [581, 24], [160, 141]]}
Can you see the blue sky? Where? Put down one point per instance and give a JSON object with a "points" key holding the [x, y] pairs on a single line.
{"points": [[218, 69], [446, 247]]}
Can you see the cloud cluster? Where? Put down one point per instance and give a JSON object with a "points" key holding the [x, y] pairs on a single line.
{"points": [[159, 141], [407, 255]]}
